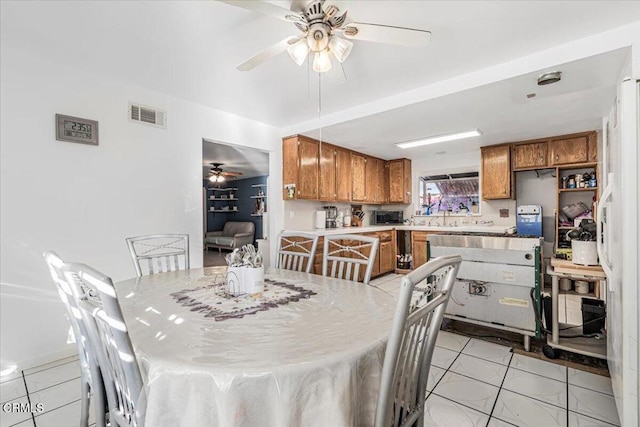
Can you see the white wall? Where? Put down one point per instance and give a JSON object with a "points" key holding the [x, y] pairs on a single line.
{"points": [[82, 201]]}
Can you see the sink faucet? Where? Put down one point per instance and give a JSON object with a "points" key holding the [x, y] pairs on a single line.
{"points": [[437, 224], [444, 218]]}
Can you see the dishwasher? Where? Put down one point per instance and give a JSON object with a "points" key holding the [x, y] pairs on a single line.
{"points": [[499, 280]]}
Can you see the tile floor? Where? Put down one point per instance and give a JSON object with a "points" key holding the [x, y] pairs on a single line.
{"points": [[56, 386], [472, 383], [477, 383]]}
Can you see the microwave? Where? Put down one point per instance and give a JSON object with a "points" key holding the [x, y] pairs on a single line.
{"points": [[387, 217]]}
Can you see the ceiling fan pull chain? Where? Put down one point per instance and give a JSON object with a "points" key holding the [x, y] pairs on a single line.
{"points": [[320, 106]]}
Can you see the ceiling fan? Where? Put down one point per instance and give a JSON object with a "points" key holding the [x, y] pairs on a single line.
{"points": [[218, 175], [325, 33]]}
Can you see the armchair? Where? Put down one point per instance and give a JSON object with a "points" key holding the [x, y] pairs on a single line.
{"points": [[235, 234]]}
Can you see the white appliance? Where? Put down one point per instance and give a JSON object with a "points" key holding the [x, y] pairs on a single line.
{"points": [[618, 246], [321, 219]]}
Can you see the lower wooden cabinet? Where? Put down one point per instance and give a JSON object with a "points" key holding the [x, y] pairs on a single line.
{"points": [[385, 261], [419, 248], [387, 257]]}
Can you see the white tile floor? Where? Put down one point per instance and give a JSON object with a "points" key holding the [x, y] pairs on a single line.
{"points": [[476, 383], [471, 383], [56, 386]]}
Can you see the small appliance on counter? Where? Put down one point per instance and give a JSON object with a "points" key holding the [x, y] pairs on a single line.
{"points": [[332, 215], [529, 220], [321, 219], [387, 217]]}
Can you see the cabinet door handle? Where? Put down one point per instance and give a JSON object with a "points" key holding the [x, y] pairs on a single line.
{"points": [[557, 157]]}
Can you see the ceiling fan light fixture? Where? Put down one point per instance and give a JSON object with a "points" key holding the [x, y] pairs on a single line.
{"points": [[340, 47], [299, 51], [439, 138], [322, 62], [220, 178]]}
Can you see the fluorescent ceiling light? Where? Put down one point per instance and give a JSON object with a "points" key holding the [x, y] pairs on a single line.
{"points": [[440, 138]]}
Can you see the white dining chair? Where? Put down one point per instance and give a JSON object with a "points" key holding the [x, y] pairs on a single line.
{"points": [[349, 257], [424, 294], [96, 298], [296, 251], [90, 376], [159, 253]]}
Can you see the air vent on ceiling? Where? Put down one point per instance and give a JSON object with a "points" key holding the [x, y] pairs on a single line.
{"points": [[152, 116]]}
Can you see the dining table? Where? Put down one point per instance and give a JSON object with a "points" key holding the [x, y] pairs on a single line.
{"points": [[308, 351]]}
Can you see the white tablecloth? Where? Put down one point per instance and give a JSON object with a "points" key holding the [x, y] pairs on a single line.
{"points": [[313, 362]]}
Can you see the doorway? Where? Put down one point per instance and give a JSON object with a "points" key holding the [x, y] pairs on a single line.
{"points": [[234, 189]]}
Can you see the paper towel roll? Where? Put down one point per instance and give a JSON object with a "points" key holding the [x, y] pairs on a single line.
{"points": [[321, 219]]}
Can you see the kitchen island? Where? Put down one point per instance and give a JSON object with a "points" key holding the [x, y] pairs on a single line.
{"points": [[397, 240]]}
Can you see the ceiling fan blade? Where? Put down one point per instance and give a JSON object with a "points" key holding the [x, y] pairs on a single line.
{"points": [[265, 8], [231, 173], [386, 34], [267, 54]]}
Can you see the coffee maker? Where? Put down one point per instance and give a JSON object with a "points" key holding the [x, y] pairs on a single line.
{"points": [[332, 214]]}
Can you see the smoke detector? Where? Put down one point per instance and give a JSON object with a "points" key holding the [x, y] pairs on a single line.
{"points": [[549, 78]]}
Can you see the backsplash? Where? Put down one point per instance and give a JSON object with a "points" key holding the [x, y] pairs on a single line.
{"points": [[300, 214], [489, 211]]}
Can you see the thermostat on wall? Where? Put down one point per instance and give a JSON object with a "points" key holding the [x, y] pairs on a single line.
{"points": [[75, 129]]}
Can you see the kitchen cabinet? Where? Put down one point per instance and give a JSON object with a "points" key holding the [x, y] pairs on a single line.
{"points": [[419, 248], [343, 174], [400, 181], [383, 182], [371, 180], [327, 179], [578, 149], [300, 169], [375, 183], [317, 259], [496, 173], [530, 156], [358, 177], [387, 251], [321, 171], [384, 262]]}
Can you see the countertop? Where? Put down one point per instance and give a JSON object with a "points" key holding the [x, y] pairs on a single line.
{"points": [[373, 228]]}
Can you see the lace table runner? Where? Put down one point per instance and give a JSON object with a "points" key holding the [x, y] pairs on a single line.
{"points": [[213, 301]]}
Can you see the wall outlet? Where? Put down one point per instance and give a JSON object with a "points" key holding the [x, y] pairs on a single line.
{"points": [[504, 213]]}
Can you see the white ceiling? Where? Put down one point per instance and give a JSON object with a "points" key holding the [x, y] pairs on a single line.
{"points": [[234, 158], [189, 49]]}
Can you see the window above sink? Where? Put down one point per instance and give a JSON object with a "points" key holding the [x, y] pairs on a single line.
{"points": [[455, 194]]}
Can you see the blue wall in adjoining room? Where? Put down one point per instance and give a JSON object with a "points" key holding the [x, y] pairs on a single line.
{"points": [[246, 205]]}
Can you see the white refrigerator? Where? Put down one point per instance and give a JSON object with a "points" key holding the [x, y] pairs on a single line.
{"points": [[618, 246]]}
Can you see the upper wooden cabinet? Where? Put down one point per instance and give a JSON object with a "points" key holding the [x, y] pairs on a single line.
{"points": [[375, 183], [556, 151], [358, 177], [382, 181], [323, 171], [343, 174], [327, 182], [400, 181], [300, 167], [371, 180], [496, 172], [531, 156], [576, 149]]}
